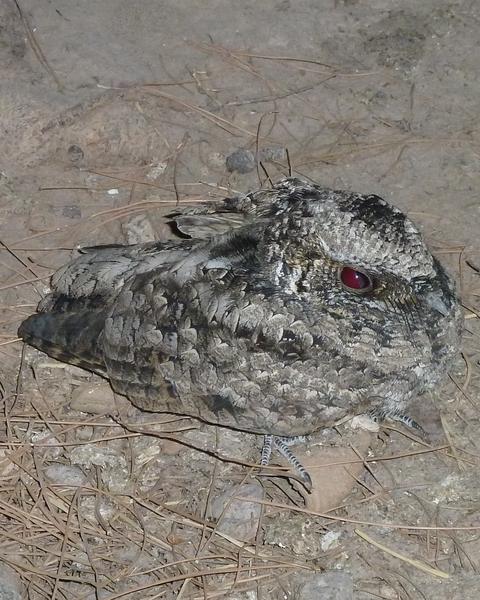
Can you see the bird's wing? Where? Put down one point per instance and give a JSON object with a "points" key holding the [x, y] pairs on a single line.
{"points": [[72, 316], [200, 226], [161, 324], [207, 220], [91, 278]]}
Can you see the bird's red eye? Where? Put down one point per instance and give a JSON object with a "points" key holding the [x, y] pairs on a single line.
{"points": [[354, 280]]}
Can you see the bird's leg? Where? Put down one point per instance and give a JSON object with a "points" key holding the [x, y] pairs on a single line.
{"points": [[282, 445], [408, 421], [394, 415], [266, 450]]}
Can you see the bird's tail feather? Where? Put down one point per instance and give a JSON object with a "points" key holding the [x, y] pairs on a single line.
{"points": [[70, 337]]}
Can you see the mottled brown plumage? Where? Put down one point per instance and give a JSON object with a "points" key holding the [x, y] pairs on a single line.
{"points": [[255, 323]]}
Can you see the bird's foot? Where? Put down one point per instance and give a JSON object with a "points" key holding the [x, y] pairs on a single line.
{"points": [[380, 415], [282, 445]]}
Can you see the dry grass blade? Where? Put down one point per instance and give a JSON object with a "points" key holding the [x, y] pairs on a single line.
{"points": [[224, 124], [17, 283], [37, 50], [358, 521], [411, 561], [212, 47], [12, 341], [448, 435], [20, 260], [195, 574]]}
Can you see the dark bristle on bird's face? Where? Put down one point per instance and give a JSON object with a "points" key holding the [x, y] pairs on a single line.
{"points": [[286, 309]]}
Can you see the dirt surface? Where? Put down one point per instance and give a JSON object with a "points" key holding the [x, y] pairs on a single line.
{"points": [[112, 112]]}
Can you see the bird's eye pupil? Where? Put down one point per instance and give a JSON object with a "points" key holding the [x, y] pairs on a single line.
{"points": [[354, 280]]}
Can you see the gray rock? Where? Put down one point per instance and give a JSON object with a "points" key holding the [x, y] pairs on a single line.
{"points": [[10, 584], [75, 153], [242, 161], [237, 518], [65, 474], [94, 398], [332, 585], [72, 212]]}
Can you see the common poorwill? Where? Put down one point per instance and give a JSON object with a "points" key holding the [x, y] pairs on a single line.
{"points": [[288, 309]]}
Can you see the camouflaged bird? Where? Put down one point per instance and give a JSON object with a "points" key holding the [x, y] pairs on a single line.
{"points": [[289, 308]]}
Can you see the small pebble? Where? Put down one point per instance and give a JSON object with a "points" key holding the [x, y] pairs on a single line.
{"points": [[11, 587], [7, 466], [242, 161], [73, 212], [46, 444], [156, 170], [75, 153], [331, 585], [330, 540], [114, 471], [93, 398], [65, 475], [85, 433], [239, 519], [364, 422], [90, 455]]}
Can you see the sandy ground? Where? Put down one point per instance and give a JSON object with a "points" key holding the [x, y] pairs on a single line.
{"points": [[110, 113]]}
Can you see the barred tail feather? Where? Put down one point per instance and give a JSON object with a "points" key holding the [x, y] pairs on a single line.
{"points": [[69, 337]]}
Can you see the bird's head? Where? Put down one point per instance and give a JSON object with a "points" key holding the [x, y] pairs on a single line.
{"points": [[344, 251]]}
